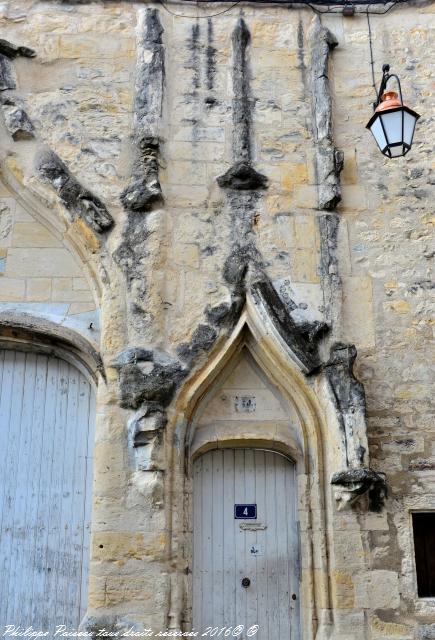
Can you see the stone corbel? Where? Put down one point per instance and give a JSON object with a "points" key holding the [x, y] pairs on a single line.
{"points": [[356, 479], [352, 484], [147, 377]]}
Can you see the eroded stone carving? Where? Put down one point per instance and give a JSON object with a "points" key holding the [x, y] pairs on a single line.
{"points": [[349, 397], [144, 189], [329, 161], [7, 75], [147, 377], [145, 437], [348, 393], [331, 281], [302, 339], [78, 200], [18, 122], [13, 50], [242, 175], [130, 255], [202, 340], [350, 485]]}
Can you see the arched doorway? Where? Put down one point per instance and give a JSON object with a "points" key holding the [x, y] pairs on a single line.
{"points": [[251, 394], [47, 409], [245, 444], [246, 544]]}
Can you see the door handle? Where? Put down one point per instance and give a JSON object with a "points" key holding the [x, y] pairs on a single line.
{"points": [[246, 582]]}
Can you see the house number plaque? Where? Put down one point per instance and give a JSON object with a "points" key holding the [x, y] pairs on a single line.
{"points": [[245, 511]]}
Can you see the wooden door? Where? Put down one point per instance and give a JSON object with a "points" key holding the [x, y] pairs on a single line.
{"points": [[46, 442], [263, 549]]}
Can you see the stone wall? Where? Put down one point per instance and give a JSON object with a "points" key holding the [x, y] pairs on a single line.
{"points": [[37, 266], [174, 173]]}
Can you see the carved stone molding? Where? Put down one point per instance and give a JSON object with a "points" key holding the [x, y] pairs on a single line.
{"points": [[78, 200], [329, 160], [144, 189], [242, 176]]}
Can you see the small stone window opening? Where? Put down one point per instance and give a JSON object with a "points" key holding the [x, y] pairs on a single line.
{"points": [[424, 549]]}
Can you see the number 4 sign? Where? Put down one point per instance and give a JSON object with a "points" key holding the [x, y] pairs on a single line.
{"points": [[245, 511]]}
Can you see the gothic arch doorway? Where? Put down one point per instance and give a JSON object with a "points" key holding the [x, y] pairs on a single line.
{"points": [[213, 411], [246, 560]]}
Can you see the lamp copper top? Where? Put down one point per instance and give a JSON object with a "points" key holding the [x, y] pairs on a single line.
{"points": [[389, 100]]}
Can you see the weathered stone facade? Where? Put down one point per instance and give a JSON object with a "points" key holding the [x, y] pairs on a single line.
{"points": [[177, 191]]}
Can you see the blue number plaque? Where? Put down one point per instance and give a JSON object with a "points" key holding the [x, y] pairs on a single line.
{"points": [[245, 511]]}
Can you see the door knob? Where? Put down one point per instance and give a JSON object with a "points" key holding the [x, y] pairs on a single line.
{"points": [[246, 582]]}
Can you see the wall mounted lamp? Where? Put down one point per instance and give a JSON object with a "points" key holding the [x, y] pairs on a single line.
{"points": [[392, 123]]}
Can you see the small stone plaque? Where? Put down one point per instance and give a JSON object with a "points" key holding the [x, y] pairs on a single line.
{"points": [[245, 404]]}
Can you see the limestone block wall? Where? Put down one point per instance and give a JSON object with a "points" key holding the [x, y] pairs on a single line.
{"points": [[37, 267], [181, 175], [42, 276]]}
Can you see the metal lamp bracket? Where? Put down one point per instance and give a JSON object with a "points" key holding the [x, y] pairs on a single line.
{"points": [[382, 87]]}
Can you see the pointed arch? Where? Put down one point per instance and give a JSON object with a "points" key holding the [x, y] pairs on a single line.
{"points": [[311, 401]]}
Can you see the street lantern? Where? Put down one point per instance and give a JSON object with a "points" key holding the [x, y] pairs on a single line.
{"points": [[392, 123]]}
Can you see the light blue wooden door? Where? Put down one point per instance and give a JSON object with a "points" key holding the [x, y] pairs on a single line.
{"points": [[245, 570], [47, 409]]}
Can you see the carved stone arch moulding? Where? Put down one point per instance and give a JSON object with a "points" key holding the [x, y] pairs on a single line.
{"points": [[23, 330], [320, 438]]}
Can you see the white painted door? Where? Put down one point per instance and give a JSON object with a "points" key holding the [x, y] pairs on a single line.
{"points": [[46, 442], [263, 550]]}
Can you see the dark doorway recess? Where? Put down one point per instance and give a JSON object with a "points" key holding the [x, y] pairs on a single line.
{"points": [[424, 549]]}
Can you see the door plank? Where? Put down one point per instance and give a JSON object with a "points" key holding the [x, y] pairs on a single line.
{"points": [[250, 540], [283, 547], [14, 437], [240, 537], [229, 557], [217, 508], [198, 557]]}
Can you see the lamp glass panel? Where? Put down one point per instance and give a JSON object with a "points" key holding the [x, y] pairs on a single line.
{"points": [[408, 127], [396, 151], [392, 122], [378, 133]]}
